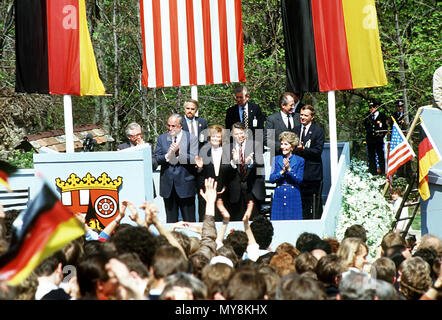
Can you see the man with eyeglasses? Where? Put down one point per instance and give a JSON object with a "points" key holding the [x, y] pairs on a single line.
{"points": [[134, 135], [175, 151]]}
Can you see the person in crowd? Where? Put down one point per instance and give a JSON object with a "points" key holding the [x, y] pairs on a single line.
{"points": [[284, 120], [356, 285], [246, 284], [305, 262], [304, 238], [50, 275], [260, 234], [414, 278], [329, 270], [283, 263], [311, 144], [246, 112], [166, 261], [215, 276], [430, 241], [287, 172], [289, 248], [272, 279], [297, 287], [354, 253], [376, 127], [192, 123], [356, 231], [384, 268], [175, 151], [246, 181], [318, 248], [213, 162], [184, 286]]}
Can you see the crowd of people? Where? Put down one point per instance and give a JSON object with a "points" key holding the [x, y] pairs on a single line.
{"points": [[148, 261]]}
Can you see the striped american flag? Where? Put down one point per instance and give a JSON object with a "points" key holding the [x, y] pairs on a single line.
{"points": [[400, 150], [191, 42]]}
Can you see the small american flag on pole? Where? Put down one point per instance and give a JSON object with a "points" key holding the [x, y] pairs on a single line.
{"points": [[400, 150], [191, 42]]}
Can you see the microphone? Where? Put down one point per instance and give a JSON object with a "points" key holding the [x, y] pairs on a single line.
{"points": [[89, 143]]}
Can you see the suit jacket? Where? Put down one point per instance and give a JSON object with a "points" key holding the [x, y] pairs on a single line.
{"points": [[202, 125], [376, 128], [208, 169], [253, 112], [178, 172], [314, 143], [254, 177], [400, 119], [276, 123]]}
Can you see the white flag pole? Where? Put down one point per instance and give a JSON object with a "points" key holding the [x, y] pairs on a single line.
{"points": [[333, 136], [68, 124]]}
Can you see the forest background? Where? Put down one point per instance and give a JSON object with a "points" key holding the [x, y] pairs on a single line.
{"points": [[410, 32]]}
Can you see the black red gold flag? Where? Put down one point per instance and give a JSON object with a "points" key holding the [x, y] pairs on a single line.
{"points": [[332, 45], [54, 53], [44, 227]]}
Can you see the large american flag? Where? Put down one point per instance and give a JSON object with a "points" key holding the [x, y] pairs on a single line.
{"points": [[400, 150], [191, 42]]}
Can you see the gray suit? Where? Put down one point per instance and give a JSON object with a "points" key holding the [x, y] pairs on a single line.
{"points": [[274, 127]]}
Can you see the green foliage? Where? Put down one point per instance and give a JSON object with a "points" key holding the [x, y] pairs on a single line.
{"points": [[22, 160]]}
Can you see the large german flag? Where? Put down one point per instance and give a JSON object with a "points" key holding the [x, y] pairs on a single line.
{"points": [[6, 170], [429, 155], [40, 230], [332, 45], [54, 52]]}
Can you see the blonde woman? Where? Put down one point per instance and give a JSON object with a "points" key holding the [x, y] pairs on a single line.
{"points": [[354, 253], [287, 173]]}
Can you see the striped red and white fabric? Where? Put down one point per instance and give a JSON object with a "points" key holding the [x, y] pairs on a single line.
{"points": [[400, 150], [191, 42]]}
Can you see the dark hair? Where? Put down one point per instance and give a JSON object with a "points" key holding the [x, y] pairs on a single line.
{"points": [[239, 125], [328, 268], [138, 240], [262, 229], [89, 271], [318, 244], [303, 239], [238, 240], [168, 260], [50, 264], [133, 263], [356, 231]]}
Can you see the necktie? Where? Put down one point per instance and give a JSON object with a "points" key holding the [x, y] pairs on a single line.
{"points": [[242, 167], [245, 117], [191, 127], [176, 152], [302, 135], [289, 124]]}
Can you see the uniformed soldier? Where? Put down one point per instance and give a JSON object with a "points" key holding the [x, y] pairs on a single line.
{"points": [[376, 127]]}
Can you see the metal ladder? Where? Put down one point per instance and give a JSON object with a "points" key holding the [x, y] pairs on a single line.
{"points": [[409, 188]]}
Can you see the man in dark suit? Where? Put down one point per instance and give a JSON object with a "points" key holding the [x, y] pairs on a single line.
{"points": [[376, 127], [246, 112], [311, 144], [283, 120], [134, 135], [193, 124], [175, 151], [246, 180]]}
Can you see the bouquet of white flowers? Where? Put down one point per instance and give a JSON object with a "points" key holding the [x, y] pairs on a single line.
{"points": [[364, 204]]}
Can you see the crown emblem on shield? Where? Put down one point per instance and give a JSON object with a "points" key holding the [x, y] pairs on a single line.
{"points": [[88, 182], [97, 198]]}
